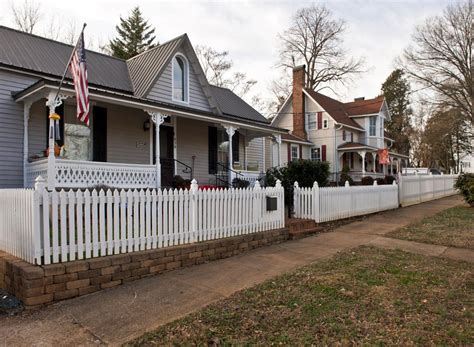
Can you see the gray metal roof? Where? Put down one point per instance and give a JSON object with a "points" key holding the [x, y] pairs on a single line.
{"points": [[38, 54], [232, 105], [145, 67]]}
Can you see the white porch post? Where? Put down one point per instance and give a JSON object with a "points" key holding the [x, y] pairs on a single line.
{"points": [[230, 132], [374, 156], [52, 102], [362, 154], [158, 119], [278, 141], [26, 119]]}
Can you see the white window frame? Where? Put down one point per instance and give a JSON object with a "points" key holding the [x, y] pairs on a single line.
{"points": [[325, 123], [314, 123], [297, 152], [186, 79], [311, 153], [373, 127]]}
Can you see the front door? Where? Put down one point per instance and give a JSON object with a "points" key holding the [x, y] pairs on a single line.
{"points": [[166, 155]]}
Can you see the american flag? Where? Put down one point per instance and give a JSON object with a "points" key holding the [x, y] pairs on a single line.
{"points": [[79, 76]]}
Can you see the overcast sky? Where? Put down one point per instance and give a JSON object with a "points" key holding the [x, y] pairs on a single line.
{"points": [[377, 30]]}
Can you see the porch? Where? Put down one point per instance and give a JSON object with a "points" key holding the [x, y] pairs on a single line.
{"points": [[137, 146], [363, 160]]}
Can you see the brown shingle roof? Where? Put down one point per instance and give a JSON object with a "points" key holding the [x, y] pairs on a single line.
{"points": [[350, 145], [361, 107], [291, 137], [336, 109]]}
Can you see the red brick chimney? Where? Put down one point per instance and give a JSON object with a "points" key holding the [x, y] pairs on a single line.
{"points": [[298, 101]]}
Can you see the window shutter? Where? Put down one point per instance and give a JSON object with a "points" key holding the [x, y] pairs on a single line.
{"points": [[235, 147], [352, 137], [212, 143], [320, 120], [288, 146], [323, 154], [344, 135], [352, 160]]}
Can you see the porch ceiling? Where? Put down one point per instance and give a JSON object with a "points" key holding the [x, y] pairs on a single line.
{"points": [[42, 88]]}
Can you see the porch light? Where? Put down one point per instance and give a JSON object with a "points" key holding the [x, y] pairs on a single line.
{"points": [[146, 125]]}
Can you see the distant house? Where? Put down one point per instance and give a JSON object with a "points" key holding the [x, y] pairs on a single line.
{"points": [[349, 134], [153, 117], [466, 160]]}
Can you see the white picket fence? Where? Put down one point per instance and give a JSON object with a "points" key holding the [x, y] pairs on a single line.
{"points": [[67, 226], [333, 203], [418, 188]]}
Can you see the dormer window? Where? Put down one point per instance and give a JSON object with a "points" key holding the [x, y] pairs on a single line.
{"points": [[180, 79], [372, 126]]}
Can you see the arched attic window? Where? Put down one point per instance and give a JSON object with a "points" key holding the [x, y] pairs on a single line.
{"points": [[180, 78]]}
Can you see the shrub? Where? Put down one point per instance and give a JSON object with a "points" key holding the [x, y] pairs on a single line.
{"points": [[465, 185], [367, 181], [240, 183], [389, 179], [380, 181], [345, 176], [305, 172], [180, 183]]}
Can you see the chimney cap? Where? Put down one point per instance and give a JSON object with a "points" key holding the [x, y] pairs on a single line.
{"points": [[299, 67], [361, 98]]}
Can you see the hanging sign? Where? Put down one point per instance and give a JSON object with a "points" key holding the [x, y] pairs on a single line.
{"points": [[383, 156]]}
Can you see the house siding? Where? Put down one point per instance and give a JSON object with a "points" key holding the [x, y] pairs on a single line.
{"points": [[11, 129], [255, 152], [161, 91]]}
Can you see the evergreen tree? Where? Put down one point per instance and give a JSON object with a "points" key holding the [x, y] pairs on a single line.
{"points": [[135, 36], [396, 90]]}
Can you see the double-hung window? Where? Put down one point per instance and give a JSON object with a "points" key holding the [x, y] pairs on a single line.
{"points": [[373, 126], [295, 151], [180, 79], [311, 120], [316, 154]]}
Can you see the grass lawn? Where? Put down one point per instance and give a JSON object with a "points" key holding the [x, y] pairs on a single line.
{"points": [[452, 227], [363, 296]]}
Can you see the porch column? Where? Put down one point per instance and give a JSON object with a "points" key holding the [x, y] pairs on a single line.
{"points": [[157, 118], [26, 119], [374, 156], [362, 154], [52, 102], [230, 132], [278, 141]]}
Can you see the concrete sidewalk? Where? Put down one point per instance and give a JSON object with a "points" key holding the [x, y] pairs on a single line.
{"points": [[117, 315]]}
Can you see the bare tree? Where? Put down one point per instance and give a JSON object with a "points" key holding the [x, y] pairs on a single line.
{"points": [[316, 40], [217, 67], [26, 15], [440, 58]]}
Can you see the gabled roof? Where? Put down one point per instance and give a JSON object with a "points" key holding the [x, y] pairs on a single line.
{"points": [[363, 107], [334, 108], [48, 58], [232, 105], [145, 67]]}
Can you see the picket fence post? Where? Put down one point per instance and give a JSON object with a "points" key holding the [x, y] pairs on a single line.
{"points": [[257, 206], [296, 198], [193, 216], [40, 187], [316, 202]]}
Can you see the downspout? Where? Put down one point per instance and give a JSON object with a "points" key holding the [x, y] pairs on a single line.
{"points": [[336, 157]]}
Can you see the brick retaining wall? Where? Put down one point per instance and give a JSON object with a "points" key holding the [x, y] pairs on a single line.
{"points": [[38, 285]]}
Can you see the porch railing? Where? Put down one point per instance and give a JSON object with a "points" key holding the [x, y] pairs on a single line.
{"points": [[85, 174]]}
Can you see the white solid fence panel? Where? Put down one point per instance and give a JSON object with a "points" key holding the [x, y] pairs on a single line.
{"points": [[419, 188], [50, 227], [333, 203]]}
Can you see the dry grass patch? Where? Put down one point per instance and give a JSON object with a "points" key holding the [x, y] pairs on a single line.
{"points": [[365, 296], [452, 227]]}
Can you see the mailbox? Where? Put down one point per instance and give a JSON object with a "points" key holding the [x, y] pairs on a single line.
{"points": [[272, 202]]}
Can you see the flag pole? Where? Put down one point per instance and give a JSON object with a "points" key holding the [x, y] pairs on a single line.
{"points": [[68, 62]]}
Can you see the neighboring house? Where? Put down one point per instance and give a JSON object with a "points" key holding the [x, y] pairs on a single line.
{"points": [[347, 134], [467, 160], [156, 105]]}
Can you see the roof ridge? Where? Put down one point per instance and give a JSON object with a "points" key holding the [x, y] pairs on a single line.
{"points": [[158, 46], [58, 42]]}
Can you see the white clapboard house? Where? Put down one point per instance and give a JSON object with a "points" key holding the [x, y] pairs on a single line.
{"points": [[153, 117], [345, 134]]}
